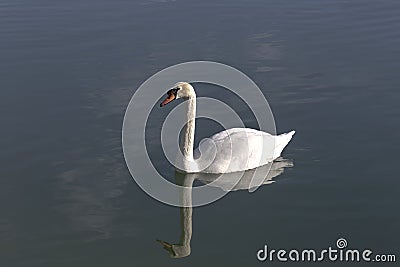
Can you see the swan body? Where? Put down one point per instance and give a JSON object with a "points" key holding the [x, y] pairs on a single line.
{"points": [[232, 150], [240, 149]]}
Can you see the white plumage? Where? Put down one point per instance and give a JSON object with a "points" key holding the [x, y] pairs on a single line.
{"points": [[232, 150], [239, 149]]}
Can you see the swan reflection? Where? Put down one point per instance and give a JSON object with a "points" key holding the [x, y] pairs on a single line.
{"points": [[224, 182]]}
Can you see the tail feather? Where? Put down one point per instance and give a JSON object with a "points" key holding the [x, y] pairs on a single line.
{"points": [[291, 133], [281, 142]]}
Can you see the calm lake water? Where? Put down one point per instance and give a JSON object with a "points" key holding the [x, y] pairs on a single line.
{"points": [[329, 69]]}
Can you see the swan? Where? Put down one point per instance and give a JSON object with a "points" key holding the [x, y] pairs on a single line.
{"points": [[232, 150]]}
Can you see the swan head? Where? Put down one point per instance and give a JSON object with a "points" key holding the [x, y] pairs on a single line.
{"points": [[179, 90]]}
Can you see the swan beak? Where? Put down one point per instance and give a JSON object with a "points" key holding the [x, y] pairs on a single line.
{"points": [[171, 96]]}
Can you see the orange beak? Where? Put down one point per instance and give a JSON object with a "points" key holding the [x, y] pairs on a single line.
{"points": [[169, 98]]}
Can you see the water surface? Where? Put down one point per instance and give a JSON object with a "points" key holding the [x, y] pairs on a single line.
{"points": [[329, 70]]}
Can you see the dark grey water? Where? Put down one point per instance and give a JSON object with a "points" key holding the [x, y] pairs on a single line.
{"points": [[330, 70]]}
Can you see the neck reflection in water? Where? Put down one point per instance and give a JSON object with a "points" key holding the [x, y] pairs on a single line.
{"points": [[264, 173]]}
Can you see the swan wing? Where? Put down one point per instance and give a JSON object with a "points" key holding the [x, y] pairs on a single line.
{"points": [[240, 149]]}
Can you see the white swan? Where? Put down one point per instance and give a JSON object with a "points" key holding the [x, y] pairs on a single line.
{"points": [[232, 150]]}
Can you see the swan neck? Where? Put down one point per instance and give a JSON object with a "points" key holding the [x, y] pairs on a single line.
{"points": [[188, 139]]}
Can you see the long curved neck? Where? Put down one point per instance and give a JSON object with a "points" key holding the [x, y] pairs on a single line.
{"points": [[188, 138]]}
